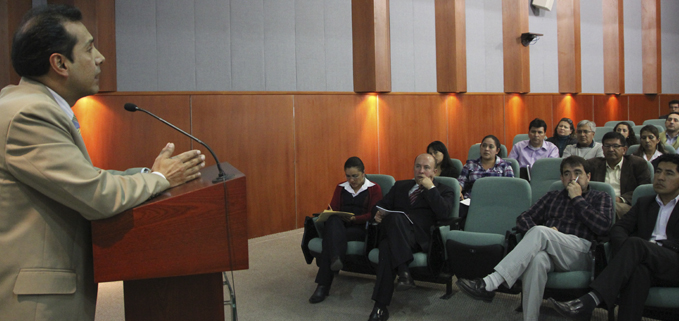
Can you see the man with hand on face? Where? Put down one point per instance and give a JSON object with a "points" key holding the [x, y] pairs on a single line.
{"points": [[425, 201], [528, 151], [645, 243], [623, 172], [669, 136], [559, 230], [586, 147], [49, 189]]}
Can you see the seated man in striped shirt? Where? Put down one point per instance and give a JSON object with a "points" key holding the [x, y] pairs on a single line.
{"points": [[558, 231]]}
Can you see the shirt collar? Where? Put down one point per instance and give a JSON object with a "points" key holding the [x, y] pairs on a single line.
{"points": [[62, 103], [618, 165], [347, 187], [672, 202]]}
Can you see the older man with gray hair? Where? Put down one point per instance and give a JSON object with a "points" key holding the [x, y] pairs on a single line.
{"points": [[586, 147]]}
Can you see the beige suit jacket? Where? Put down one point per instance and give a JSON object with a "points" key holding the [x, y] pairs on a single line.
{"points": [[49, 190]]}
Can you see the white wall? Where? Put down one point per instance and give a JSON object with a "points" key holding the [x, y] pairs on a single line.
{"points": [[592, 46], [544, 54], [485, 71]]}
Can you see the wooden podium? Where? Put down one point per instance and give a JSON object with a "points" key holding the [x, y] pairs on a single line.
{"points": [[171, 250]]}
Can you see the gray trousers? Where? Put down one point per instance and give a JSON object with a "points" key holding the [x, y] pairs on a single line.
{"points": [[542, 250]]}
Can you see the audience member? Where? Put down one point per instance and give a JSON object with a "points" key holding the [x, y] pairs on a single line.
{"points": [[623, 172], [489, 164], [673, 106], [586, 147], [425, 201], [650, 147], [564, 135], [528, 151], [357, 195], [444, 165], [626, 130], [644, 244], [558, 229], [669, 136]]}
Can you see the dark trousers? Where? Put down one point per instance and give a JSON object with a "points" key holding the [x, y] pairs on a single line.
{"points": [[397, 245], [636, 267], [336, 234]]}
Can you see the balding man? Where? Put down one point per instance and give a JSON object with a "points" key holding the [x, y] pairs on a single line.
{"points": [[425, 201]]}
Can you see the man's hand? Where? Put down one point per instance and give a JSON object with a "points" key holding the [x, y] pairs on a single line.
{"points": [[461, 196], [181, 168], [424, 181], [574, 189], [379, 216], [619, 200]]}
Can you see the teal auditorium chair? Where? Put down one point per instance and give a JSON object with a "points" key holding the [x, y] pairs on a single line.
{"points": [[573, 284], [656, 122], [519, 138], [662, 303], [430, 267], [515, 165], [612, 123], [496, 203], [668, 148], [356, 256], [543, 173], [457, 164], [601, 131], [475, 152]]}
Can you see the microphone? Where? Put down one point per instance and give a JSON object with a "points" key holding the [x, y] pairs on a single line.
{"points": [[222, 175]]}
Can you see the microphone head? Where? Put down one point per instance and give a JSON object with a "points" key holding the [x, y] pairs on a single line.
{"points": [[131, 107]]}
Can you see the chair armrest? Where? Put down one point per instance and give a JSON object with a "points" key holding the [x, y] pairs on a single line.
{"points": [[453, 222]]}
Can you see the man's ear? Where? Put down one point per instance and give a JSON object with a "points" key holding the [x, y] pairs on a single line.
{"points": [[58, 64]]}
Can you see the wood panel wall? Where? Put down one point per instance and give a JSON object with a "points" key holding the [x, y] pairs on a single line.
{"points": [[11, 12], [568, 34], [292, 146], [516, 56], [651, 53], [451, 48], [371, 45]]}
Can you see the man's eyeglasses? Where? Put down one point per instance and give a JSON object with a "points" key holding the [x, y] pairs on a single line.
{"points": [[583, 131], [616, 146]]}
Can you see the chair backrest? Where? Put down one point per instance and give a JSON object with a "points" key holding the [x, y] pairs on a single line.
{"points": [[612, 123], [495, 204], [641, 191], [475, 151], [601, 131], [597, 186], [519, 137], [543, 173], [651, 169], [515, 165], [455, 185], [668, 149], [656, 122], [384, 181], [457, 164], [637, 130], [632, 149]]}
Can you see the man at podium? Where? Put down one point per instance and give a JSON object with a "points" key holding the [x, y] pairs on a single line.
{"points": [[49, 189]]}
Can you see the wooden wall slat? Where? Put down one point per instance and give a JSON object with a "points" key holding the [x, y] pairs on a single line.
{"points": [[407, 124], [451, 48], [11, 12], [568, 34], [651, 53], [328, 130], [472, 117], [254, 133], [575, 107], [614, 47], [516, 56], [520, 110], [664, 103], [371, 45], [610, 107], [642, 107]]}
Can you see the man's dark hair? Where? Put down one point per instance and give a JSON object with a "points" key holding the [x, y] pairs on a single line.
{"points": [[41, 33], [673, 102], [537, 123], [614, 135], [354, 162], [673, 113], [670, 158], [574, 161]]}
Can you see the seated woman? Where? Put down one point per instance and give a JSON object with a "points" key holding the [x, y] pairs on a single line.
{"points": [[650, 147], [564, 135], [489, 164], [357, 195], [626, 130], [443, 163]]}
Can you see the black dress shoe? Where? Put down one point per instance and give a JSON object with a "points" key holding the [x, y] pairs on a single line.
{"points": [[405, 282], [336, 264], [320, 294], [475, 289], [574, 309], [379, 314]]}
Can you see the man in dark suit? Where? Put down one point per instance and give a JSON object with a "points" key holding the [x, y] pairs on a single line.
{"points": [[623, 172], [425, 201], [644, 244], [674, 107]]}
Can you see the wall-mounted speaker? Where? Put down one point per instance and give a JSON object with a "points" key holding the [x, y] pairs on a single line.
{"points": [[544, 4]]}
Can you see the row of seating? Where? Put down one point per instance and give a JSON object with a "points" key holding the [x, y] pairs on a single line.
{"points": [[487, 225]]}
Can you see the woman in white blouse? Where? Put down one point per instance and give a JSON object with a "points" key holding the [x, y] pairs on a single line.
{"points": [[649, 145]]}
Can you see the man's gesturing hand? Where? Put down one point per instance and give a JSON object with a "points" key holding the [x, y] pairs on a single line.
{"points": [[181, 168]]}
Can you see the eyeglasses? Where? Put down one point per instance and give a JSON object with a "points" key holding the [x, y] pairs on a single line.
{"points": [[612, 146], [582, 131]]}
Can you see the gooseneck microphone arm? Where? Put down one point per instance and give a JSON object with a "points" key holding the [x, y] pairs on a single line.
{"points": [[222, 175]]}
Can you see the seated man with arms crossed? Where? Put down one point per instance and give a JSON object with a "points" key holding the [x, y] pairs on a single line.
{"points": [[426, 201], [623, 172], [586, 146], [558, 229], [528, 151], [645, 244]]}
